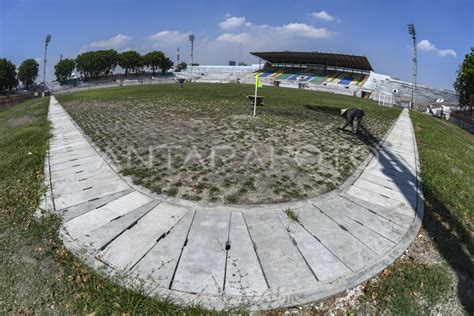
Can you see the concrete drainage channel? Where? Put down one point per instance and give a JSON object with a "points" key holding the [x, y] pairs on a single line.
{"points": [[225, 256]]}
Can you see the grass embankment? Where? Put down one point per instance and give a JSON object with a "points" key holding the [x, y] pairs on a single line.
{"points": [[206, 145], [414, 286], [36, 273]]}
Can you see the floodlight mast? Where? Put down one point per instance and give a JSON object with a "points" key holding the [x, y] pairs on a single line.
{"points": [[412, 32], [191, 39], [46, 42]]}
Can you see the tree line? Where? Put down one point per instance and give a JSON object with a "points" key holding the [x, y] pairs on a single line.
{"points": [[102, 63], [91, 65], [9, 78]]}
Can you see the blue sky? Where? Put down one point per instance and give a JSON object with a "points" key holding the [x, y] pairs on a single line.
{"points": [[228, 29]]}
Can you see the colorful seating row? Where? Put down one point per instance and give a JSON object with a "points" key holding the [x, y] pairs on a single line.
{"points": [[312, 76]]}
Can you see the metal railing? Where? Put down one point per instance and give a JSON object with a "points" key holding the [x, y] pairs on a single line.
{"points": [[12, 100]]}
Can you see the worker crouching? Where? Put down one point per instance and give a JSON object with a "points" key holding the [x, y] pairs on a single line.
{"points": [[353, 117]]}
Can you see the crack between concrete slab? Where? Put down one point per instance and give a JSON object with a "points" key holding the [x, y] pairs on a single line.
{"points": [[227, 248], [374, 231], [374, 212], [256, 253], [296, 245], [182, 249], [319, 240], [102, 248], [346, 229]]}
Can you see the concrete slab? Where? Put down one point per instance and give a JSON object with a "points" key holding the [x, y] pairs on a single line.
{"points": [[86, 183], [382, 200], [78, 210], [77, 164], [370, 238], [92, 220], [370, 219], [75, 175], [399, 193], [390, 183], [284, 267], [244, 275], [325, 265], [102, 236], [354, 254], [125, 251], [68, 200], [393, 215], [74, 156], [159, 264], [203, 262]]}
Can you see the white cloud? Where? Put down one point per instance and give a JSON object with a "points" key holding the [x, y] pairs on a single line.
{"points": [[304, 30], [233, 22], [426, 45], [115, 42], [323, 15], [168, 37], [233, 38], [447, 52]]}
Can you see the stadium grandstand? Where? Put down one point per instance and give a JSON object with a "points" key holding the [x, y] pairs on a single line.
{"points": [[340, 73], [335, 73]]}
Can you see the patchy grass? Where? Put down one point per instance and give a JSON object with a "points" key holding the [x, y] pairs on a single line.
{"points": [[438, 270], [37, 274], [409, 289], [292, 215], [291, 150]]}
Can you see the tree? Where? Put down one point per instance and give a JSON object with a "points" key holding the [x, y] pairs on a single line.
{"points": [[464, 84], [98, 63], [108, 61], [28, 72], [8, 79], [63, 69], [153, 60], [85, 64], [130, 61], [166, 64]]}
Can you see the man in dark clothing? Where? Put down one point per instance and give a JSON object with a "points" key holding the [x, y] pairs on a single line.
{"points": [[353, 117], [181, 82]]}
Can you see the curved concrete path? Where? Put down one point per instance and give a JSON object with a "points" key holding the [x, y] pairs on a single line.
{"points": [[222, 256]]}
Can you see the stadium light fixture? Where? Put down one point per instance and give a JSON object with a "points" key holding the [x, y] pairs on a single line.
{"points": [[46, 42], [412, 32]]}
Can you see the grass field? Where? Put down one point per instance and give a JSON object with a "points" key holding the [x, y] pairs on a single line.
{"points": [[202, 143]]}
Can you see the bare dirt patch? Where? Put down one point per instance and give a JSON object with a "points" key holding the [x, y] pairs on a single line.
{"points": [[20, 121], [211, 149]]}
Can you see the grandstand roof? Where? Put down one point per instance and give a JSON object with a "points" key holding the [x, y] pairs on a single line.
{"points": [[317, 58]]}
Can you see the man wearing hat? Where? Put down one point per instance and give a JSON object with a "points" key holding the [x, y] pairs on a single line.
{"points": [[353, 117]]}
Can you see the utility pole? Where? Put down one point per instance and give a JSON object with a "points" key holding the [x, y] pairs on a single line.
{"points": [[177, 56], [412, 32], [46, 42]]}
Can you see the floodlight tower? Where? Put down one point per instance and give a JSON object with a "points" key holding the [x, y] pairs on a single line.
{"points": [[412, 32], [191, 39], [46, 42]]}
